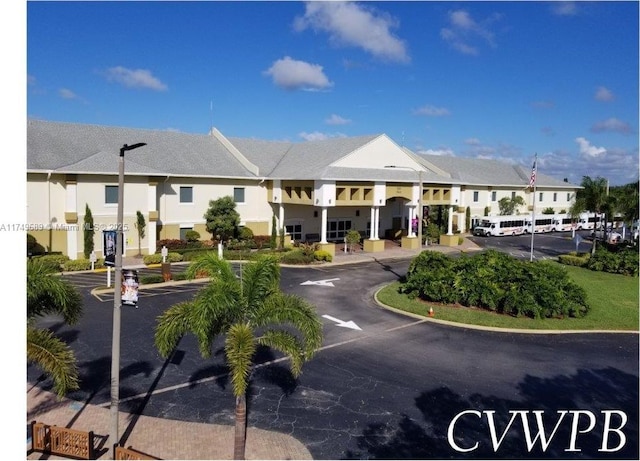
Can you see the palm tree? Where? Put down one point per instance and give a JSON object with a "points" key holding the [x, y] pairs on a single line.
{"points": [[592, 198], [249, 312], [49, 294]]}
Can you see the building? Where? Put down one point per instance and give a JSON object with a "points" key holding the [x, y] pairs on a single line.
{"points": [[316, 190]]}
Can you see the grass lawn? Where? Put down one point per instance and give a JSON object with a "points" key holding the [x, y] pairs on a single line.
{"points": [[613, 300]]}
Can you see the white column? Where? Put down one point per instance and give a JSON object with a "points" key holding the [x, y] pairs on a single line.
{"points": [[71, 206], [372, 233], [151, 225], [377, 218], [412, 214], [280, 218], [323, 231], [450, 221]]}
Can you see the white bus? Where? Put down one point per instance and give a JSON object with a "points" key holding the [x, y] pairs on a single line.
{"points": [[501, 225], [563, 223], [544, 223], [589, 221]]}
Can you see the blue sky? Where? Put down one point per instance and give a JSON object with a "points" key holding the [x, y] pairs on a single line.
{"points": [[502, 80]]}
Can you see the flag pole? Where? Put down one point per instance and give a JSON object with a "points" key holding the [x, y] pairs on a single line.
{"points": [[532, 181]]}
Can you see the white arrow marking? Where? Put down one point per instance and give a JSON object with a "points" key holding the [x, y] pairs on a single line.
{"points": [[323, 283], [341, 323]]}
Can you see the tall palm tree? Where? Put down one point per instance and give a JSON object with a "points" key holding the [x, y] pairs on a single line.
{"points": [[249, 312], [49, 294], [592, 198]]}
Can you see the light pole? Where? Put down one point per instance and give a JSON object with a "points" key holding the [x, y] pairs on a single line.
{"points": [[420, 204], [117, 302]]}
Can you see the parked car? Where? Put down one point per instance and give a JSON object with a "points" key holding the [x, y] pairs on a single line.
{"points": [[611, 235]]}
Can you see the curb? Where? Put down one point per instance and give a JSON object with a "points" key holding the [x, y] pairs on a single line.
{"points": [[492, 329]]}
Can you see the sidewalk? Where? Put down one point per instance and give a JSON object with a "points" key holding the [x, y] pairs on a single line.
{"points": [[172, 439], [159, 437]]}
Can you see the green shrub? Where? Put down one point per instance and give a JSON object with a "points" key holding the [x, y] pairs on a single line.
{"points": [[618, 261], [322, 255], [495, 281], [191, 254], [245, 233], [179, 276], [54, 261], [192, 236], [33, 247], [82, 265], [296, 256], [156, 258], [151, 278], [574, 260]]}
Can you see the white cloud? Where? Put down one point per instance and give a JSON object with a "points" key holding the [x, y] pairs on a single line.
{"points": [[335, 119], [612, 125], [290, 74], [587, 150], [446, 151], [431, 111], [463, 32], [318, 136], [135, 78], [351, 24], [67, 94], [564, 8], [604, 94]]}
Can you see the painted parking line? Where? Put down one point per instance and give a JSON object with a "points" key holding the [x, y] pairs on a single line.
{"points": [[147, 292]]}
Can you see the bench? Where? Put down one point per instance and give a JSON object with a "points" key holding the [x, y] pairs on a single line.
{"points": [[62, 441], [312, 238], [130, 453]]}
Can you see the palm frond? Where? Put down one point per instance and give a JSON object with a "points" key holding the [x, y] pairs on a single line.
{"points": [[47, 293], [240, 347], [211, 265], [172, 324], [281, 308], [54, 357], [259, 279], [288, 344]]}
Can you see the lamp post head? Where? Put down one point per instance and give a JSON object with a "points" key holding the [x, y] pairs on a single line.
{"points": [[126, 147]]}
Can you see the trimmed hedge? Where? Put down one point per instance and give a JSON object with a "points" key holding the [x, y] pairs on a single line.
{"points": [[322, 255], [496, 281], [151, 278], [82, 265], [574, 259], [619, 261], [297, 256], [156, 258]]}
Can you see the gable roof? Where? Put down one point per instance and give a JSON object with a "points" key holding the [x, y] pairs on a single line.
{"points": [[485, 172], [77, 148]]}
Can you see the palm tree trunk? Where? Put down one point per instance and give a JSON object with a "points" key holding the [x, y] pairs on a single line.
{"points": [[240, 438]]}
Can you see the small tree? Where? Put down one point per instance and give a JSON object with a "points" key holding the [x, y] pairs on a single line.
{"points": [[88, 232], [353, 238], [548, 210], [487, 210], [274, 236], [467, 219], [140, 225], [222, 218], [509, 206], [282, 232]]}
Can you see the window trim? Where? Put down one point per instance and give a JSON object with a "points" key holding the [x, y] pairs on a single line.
{"points": [[180, 195], [109, 204], [244, 195]]}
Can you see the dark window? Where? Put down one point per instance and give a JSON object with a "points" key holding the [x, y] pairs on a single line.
{"points": [[183, 232], [186, 194], [111, 194], [475, 196], [238, 194]]}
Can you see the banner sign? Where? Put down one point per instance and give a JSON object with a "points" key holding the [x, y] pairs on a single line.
{"points": [[130, 286]]}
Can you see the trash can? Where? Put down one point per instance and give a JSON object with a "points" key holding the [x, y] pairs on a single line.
{"points": [[129, 289]]}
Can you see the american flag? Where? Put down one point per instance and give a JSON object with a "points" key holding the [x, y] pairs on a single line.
{"points": [[532, 180]]}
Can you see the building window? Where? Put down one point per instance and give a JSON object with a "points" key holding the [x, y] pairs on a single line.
{"points": [[111, 194], [513, 195], [541, 195], [494, 196], [183, 232], [475, 195], [568, 196], [338, 228], [294, 230], [186, 194], [238, 194], [555, 196]]}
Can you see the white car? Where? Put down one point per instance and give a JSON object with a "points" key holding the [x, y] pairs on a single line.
{"points": [[612, 236]]}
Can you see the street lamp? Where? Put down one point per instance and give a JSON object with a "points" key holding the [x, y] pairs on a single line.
{"points": [[420, 206], [117, 302]]}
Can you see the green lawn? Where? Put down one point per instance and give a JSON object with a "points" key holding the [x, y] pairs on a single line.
{"points": [[613, 300]]}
